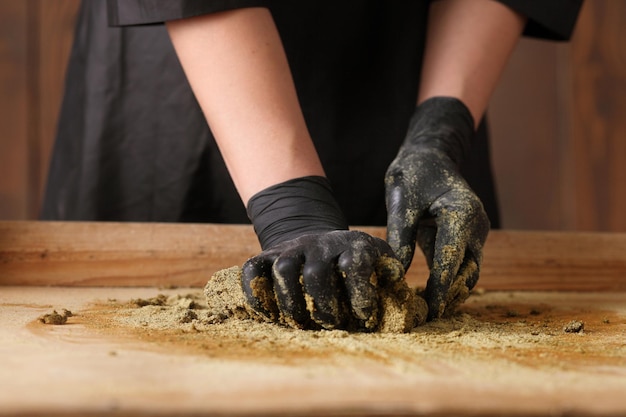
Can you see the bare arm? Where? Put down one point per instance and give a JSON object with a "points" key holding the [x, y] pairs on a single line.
{"points": [[237, 68], [468, 45]]}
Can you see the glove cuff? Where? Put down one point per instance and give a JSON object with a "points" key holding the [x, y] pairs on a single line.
{"points": [[445, 123], [290, 209]]}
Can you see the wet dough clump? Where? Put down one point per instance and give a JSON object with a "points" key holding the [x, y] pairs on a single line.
{"points": [[400, 307]]}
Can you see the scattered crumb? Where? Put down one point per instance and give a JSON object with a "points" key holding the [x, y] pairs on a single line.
{"points": [[159, 300], [55, 318], [574, 326]]}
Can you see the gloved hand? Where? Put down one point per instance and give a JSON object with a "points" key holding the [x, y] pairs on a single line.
{"points": [[324, 280], [313, 272], [428, 201]]}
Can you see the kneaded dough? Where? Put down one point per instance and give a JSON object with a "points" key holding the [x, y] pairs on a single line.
{"points": [[400, 307]]}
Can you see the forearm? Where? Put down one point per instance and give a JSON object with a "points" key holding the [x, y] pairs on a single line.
{"points": [[238, 71], [468, 45]]}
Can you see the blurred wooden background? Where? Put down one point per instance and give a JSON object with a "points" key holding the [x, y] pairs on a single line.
{"points": [[559, 138]]}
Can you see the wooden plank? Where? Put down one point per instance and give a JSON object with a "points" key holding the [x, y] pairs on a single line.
{"points": [[35, 39], [119, 254], [13, 109], [596, 144], [499, 368], [153, 254], [56, 21], [524, 124], [576, 261], [558, 127]]}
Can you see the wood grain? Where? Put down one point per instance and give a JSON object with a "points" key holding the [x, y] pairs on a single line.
{"points": [[525, 133], [84, 369], [119, 254], [598, 99], [558, 127], [153, 254], [55, 30], [13, 110], [35, 39]]}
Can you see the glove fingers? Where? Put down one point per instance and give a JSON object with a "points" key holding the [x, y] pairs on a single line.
{"points": [[449, 286], [328, 280], [402, 220], [449, 252], [461, 233], [426, 235], [475, 248], [388, 270], [470, 269], [321, 293], [287, 270], [256, 282], [387, 266], [460, 287], [356, 266]]}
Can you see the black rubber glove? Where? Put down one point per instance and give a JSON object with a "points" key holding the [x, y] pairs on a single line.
{"points": [[313, 272], [428, 201]]}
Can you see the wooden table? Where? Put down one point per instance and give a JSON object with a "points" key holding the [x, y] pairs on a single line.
{"points": [[75, 370]]}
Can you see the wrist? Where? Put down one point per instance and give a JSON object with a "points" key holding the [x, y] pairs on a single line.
{"points": [[443, 123], [293, 208]]}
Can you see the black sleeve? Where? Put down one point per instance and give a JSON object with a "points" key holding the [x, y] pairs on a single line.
{"points": [[547, 19], [143, 12]]}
